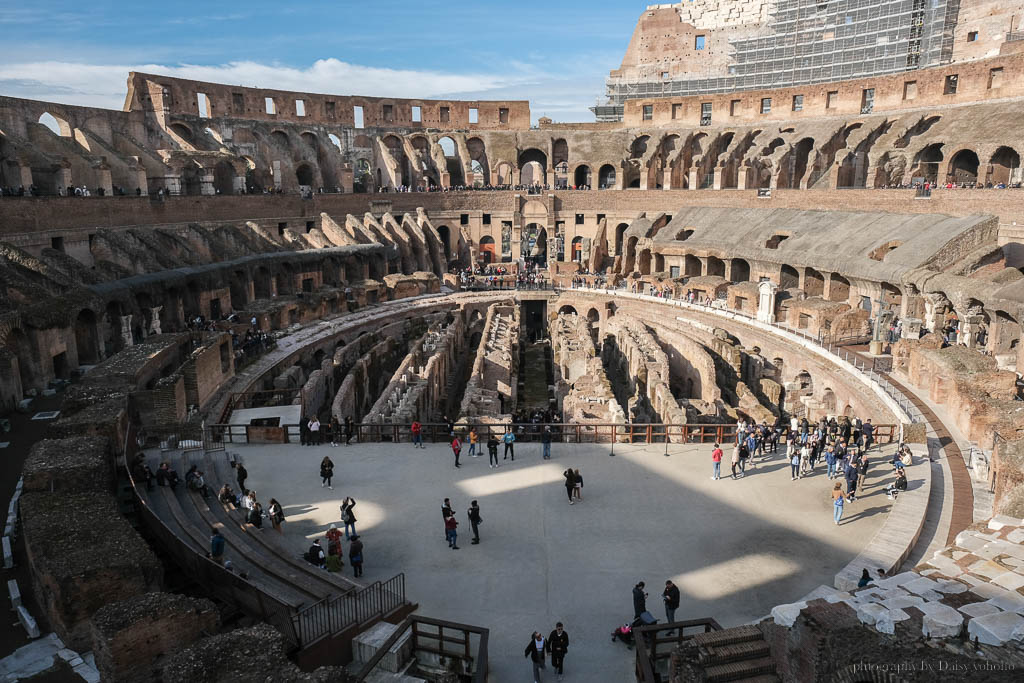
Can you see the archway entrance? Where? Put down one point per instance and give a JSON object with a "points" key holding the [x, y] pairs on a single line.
{"points": [[86, 338], [535, 245]]}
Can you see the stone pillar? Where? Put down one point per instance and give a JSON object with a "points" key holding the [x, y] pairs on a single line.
{"points": [[25, 173], [126, 330], [63, 177], [934, 312], [104, 181], [766, 292], [741, 177], [693, 176], [154, 319], [141, 183], [911, 328], [716, 183], [172, 184], [206, 186], [666, 178], [969, 328]]}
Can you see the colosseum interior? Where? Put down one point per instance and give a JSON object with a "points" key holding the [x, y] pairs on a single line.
{"points": [[194, 278]]}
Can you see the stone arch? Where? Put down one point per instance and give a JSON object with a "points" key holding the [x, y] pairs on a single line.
{"points": [[184, 132], [535, 244], [692, 267], [305, 174], [620, 230], [27, 371], [559, 152], [839, 288], [716, 266], [577, 249], [191, 179], [963, 166], [593, 315], [57, 124], [740, 270], [659, 263], [538, 162], [478, 161], [793, 168], [828, 401], [279, 137], [445, 233], [567, 310], [814, 282], [926, 162], [362, 180], [581, 176], [487, 249], [645, 262], [1004, 166], [789, 278], [239, 289], [262, 283], [224, 177], [504, 174], [606, 177], [87, 337], [310, 139]]}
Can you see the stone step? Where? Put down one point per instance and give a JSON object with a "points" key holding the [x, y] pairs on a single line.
{"points": [[724, 654], [739, 671], [729, 636]]}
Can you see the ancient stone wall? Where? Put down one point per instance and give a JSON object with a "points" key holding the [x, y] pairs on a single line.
{"points": [[491, 390], [581, 384]]}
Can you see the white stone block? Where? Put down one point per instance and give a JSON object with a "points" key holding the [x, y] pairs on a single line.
{"points": [[898, 579], [941, 621], [1000, 521], [870, 612], [1015, 536], [979, 609], [14, 592], [8, 553], [1011, 601], [886, 623], [950, 587], [785, 615], [921, 585], [906, 601], [986, 568], [1010, 581], [995, 629], [968, 541], [31, 628]]}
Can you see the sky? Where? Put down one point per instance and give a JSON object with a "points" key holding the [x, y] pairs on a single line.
{"points": [[556, 54]]}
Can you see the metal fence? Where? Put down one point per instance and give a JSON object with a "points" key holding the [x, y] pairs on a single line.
{"points": [[447, 640], [336, 613], [652, 648]]}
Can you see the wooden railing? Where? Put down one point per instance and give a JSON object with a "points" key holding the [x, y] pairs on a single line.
{"points": [[652, 647], [444, 639]]}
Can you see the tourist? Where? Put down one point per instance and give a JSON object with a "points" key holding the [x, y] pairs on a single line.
{"points": [[900, 484], [217, 544], [830, 462], [226, 495], [639, 600], [446, 512], [315, 555], [862, 472], [716, 459], [355, 555], [535, 651], [865, 579], [671, 597], [350, 428], [838, 499], [248, 501], [735, 459], [417, 437], [474, 521], [557, 646], [456, 449], [165, 476], [255, 516], [348, 518], [578, 488], [509, 440], [326, 472], [570, 483], [333, 541], [332, 432], [276, 515], [794, 461], [314, 430], [492, 450], [241, 474], [868, 430], [805, 459], [851, 480], [545, 442], [753, 445], [450, 526], [473, 438], [744, 454]]}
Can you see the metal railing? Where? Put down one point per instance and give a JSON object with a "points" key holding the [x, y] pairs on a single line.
{"points": [[434, 636], [336, 613], [1014, 36], [650, 650]]}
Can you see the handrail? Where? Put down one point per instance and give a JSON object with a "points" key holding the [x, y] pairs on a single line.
{"points": [[646, 662], [479, 673]]}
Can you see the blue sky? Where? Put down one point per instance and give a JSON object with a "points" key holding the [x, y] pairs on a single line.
{"points": [[556, 54]]}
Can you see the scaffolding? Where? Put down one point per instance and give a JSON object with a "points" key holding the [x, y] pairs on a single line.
{"points": [[814, 41]]}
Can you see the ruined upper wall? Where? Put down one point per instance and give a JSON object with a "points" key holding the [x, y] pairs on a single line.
{"points": [[167, 96], [982, 27], [997, 78]]}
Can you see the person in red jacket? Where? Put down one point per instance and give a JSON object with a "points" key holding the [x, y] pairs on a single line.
{"points": [[417, 437], [716, 458], [456, 449]]}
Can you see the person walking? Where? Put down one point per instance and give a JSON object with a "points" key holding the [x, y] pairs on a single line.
{"points": [[639, 600], [671, 597], [276, 515], [355, 555], [535, 651], [492, 450], [326, 472], [838, 500], [545, 443], [805, 459], [570, 483], [217, 544], [446, 512], [241, 474], [417, 434], [794, 462], [473, 438], [558, 645], [332, 432], [851, 480], [716, 459], [474, 521], [868, 430], [735, 459], [509, 440], [348, 517], [456, 449], [578, 488]]}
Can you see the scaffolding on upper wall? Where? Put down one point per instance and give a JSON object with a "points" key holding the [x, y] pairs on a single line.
{"points": [[815, 41]]}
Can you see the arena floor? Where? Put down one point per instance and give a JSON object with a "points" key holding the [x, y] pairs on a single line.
{"points": [[734, 548]]}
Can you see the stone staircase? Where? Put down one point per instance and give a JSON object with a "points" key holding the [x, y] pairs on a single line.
{"points": [[736, 654]]}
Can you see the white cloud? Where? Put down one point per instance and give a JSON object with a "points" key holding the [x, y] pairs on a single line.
{"points": [[564, 96]]}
